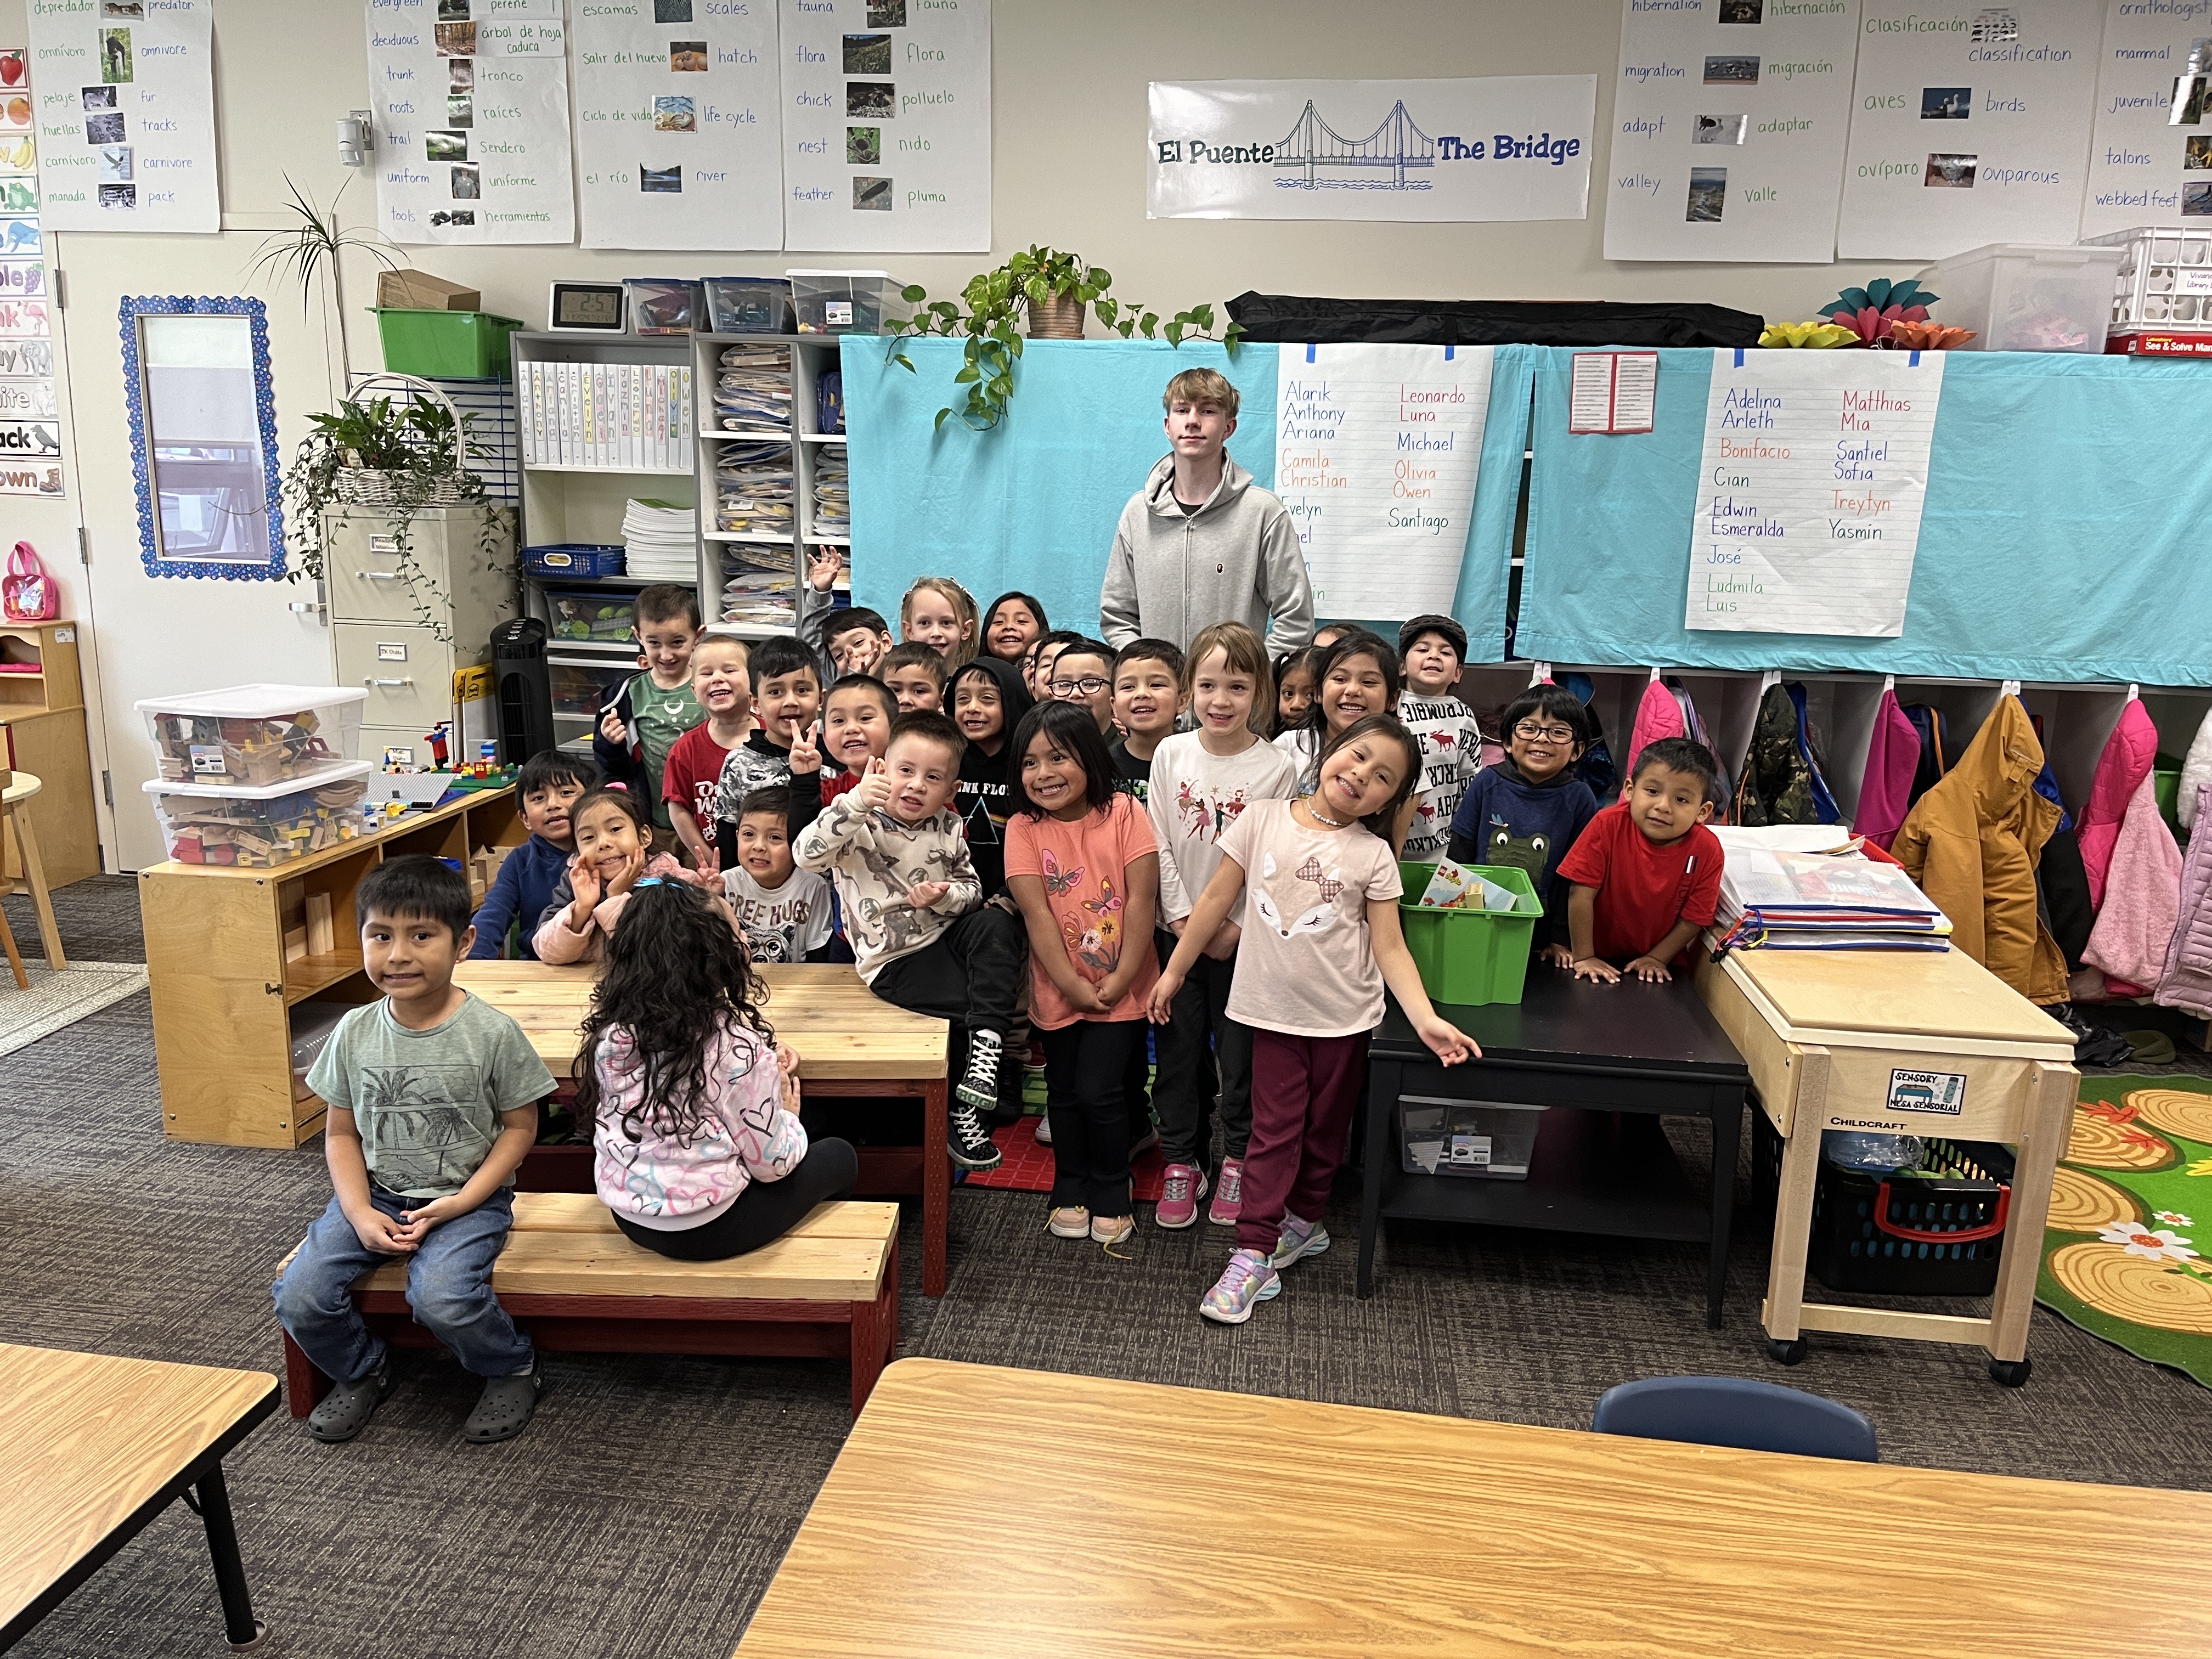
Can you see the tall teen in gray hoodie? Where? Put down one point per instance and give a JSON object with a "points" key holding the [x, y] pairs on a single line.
{"points": [[1200, 543]]}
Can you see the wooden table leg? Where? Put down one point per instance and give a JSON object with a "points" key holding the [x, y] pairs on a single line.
{"points": [[2050, 1121], [15, 956], [1793, 1204], [936, 1183], [35, 877]]}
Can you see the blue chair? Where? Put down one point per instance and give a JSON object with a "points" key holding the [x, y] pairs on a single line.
{"points": [[1735, 1411]]}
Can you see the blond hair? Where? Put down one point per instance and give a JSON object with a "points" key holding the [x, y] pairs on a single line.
{"points": [[964, 607], [715, 635], [1201, 385], [1241, 649]]}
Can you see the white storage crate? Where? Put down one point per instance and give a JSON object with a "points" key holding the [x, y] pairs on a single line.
{"points": [[847, 302], [254, 735], [2163, 282], [256, 827], [2018, 297]]}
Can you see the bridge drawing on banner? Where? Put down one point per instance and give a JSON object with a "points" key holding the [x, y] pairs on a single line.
{"points": [[1312, 147]]}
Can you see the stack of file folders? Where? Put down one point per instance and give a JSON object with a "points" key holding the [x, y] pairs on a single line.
{"points": [[752, 393], [833, 493], [1811, 888], [661, 541], [754, 489]]}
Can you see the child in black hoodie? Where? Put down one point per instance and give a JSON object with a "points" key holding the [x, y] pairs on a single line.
{"points": [[987, 701], [1528, 808]]}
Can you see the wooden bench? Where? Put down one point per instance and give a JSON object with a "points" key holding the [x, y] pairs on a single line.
{"points": [[828, 1288]]}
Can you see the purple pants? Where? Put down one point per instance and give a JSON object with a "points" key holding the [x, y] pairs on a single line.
{"points": [[1304, 1090]]}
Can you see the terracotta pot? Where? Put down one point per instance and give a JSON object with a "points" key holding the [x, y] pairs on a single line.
{"points": [[1059, 317]]}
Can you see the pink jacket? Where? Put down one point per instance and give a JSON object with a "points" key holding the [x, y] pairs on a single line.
{"points": [[557, 944], [2143, 900], [1657, 716], [2187, 982], [1886, 789], [2125, 763]]}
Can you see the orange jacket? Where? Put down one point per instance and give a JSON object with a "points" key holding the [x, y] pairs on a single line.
{"points": [[1974, 842]]}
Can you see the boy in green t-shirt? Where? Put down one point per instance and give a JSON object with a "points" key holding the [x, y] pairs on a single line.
{"points": [[656, 706], [432, 1096]]}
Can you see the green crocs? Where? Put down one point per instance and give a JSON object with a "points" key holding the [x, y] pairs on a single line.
{"points": [[345, 1410], [504, 1408]]}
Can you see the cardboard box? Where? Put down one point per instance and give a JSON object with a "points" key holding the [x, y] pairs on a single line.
{"points": [[418, 290]]}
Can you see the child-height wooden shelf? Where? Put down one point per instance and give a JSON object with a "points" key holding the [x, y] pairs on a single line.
{"points": [[42, 712], [231, 995]]}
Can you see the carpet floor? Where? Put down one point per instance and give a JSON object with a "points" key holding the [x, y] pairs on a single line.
{"points": [[645, 1511]]}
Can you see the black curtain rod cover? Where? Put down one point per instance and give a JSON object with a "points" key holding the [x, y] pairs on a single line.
{"points": [[1291, 319]]}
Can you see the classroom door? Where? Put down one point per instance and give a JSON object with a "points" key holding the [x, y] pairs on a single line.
{"points": [[162, 635]]}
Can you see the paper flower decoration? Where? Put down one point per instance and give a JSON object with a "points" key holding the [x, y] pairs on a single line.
{"points": [[1869, 312], [1815, 333], [1926, 336]]}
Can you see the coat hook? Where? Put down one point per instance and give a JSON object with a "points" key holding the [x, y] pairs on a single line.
{"points": [[1540, 674], [2009, 689], [1654, 676], [2135, 692], [1889, 682]]}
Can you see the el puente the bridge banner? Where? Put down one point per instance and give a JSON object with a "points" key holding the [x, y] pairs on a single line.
{"points": [[1501, 147]]}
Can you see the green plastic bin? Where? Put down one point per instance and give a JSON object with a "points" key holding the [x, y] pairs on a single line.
{"points": [[1470, 958], [446, 345], [2165, 788]]}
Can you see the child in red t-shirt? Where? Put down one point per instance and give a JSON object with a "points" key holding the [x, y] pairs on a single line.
{"points": [[721, 681], [1646, 872]]}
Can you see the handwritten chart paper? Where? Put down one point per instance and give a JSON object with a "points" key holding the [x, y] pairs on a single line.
{"points": [[677, 140], [1808, 507], [2144, 168], [887, 125], [1377, 451], [1728, 123], [471, 120], [1968, 126], [126, 114]]}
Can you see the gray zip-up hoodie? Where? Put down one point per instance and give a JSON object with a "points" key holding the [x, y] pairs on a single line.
{"points": [[1237, 559]]}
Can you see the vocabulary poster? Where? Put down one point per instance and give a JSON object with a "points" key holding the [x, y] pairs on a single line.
{"points": [[126, 114], [2150, 154]]}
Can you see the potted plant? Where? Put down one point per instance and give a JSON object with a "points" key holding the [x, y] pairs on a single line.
{"points": [[1050, 291]]}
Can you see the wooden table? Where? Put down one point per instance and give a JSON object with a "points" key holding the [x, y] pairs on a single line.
{"points": [[15, 803], [849, 1041], [92, 1448], [1172, 1523], [1605, 1060], [1849, 1039]]}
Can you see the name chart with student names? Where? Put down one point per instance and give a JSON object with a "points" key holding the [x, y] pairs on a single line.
{"points": [[1377, 449], [1810, 487]]}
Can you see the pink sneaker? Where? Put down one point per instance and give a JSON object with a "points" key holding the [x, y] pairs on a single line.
{"points": [[1228, 1196], [1181, 1188]]}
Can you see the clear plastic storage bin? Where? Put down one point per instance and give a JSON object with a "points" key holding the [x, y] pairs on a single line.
{"points": [[257, 828], [847, 302], [2018, 297], [254, 735], [1483, 1139], [749, 305]]}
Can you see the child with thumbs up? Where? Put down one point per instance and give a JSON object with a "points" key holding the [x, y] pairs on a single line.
{"points": [[783, 749]]}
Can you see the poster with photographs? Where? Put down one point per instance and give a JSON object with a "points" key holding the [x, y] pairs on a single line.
{"points": [[2150, 153], [1968, 127], [1728, 130], [678, 139], [887, 125], [126, 114], [471, 109]]}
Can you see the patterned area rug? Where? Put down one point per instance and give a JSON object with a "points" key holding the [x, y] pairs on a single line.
{"points": [[55, 1000], [2121, 1255], [1027, 1167]]}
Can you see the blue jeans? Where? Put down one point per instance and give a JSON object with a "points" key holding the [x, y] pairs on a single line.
{"points": [[448, 1287]]}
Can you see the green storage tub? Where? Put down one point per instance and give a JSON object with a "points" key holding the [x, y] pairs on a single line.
{"points": [[2166, 786], [446, 345], [1470, 958]]}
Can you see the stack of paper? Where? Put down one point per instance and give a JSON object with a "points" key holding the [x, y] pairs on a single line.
{"points": [[833, 493], [1778, 898], [753, 391], [759, 585], [755, 497], [661, 541]]}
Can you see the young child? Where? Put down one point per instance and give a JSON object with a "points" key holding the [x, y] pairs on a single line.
{"points": [[1647, 872], [1082, 864], [915, 675], [1149, 698], [613, 853], [1030, 655], [1323, 942], [1294, 689], [1530, 808], [1014, 623], [654, 708], [1430, 652], [1048, 648], [939, 613], [722, 679], [1202, 782], [856, 725], [914, 911], [551, 786], [782, 911], [1354, 677], [987, 704], [693, 1105], [432, 1096], [1083, 672], [844, 641], [786, 698]]}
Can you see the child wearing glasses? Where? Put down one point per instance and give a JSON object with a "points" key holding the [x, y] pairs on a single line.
{"points": [[1083, 672], [1528, 808]]}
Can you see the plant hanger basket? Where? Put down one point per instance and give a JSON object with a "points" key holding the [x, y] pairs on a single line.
{"points": [[361, 486]]}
